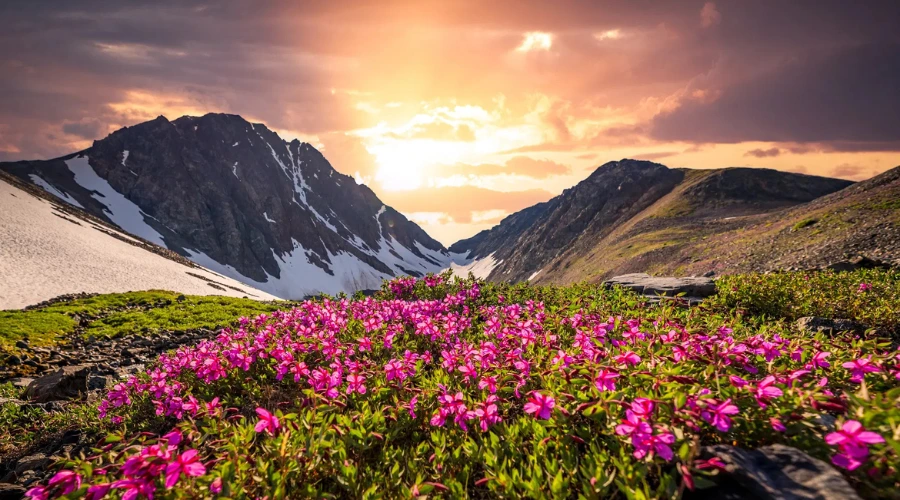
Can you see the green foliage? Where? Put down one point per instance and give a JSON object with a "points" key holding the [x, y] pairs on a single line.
{"points": [[118, 314], [804, 223], [828, 294]]}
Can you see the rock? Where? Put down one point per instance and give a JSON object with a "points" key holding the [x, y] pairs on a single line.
{"points": [[652, 285], [22, 344], [31, 462], [775, 472], [11, 491], [819, 324], [21, 382], [14, 361], [99, 382], [709, 274], [66, 383], [859, 262]]}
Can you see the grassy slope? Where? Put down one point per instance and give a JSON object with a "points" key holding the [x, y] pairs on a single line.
{"points": [[677, 236], [118, 314]]}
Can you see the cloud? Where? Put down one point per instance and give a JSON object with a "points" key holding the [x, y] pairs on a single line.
{"points": [[851, 171], [90, 129], [763, 153], [845, 99], [709, 15], [459, 202], [655, 156], [518, 165]]}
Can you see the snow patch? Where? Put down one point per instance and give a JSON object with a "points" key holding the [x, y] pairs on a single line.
{"points": [[120, 210], [124, 157], [267, 218], [535, 274], [234, 170], [236, 143], [52, 190], [481, 268]]}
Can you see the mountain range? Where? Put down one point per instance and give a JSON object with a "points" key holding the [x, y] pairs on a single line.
{"points": [[233, 197]]}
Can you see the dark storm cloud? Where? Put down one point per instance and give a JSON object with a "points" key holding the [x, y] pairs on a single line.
{"points": [[847, 97]]}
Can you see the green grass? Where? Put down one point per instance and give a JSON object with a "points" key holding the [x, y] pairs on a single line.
{"points": [[805, 223], [119, 314]]}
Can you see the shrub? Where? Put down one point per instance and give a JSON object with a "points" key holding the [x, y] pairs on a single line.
{"points": [[462, 388]]}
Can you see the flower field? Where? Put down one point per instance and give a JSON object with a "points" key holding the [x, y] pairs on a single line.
{"points": [[452, 387]]}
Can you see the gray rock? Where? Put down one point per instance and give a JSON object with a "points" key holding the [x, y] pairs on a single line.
{"points": [[22, 344], [11, 491], [21, 381], [653, 285], [777, 472], [66, 383], [819, 324], [31, 462]]}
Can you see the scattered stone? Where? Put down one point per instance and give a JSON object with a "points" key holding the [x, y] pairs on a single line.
{"points": [[658, 285], [31, 462], [66, 383], [838, 325], [775, 472], [859, 262], [22, 344], [11, 491]]}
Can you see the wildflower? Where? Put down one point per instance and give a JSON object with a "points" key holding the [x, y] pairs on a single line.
{"points": [[632, 425], [777, 424], [98, 491], [66, 480], [186, 463], [717, 414], [489, 383], [818, 361], [37, 493], [268, 422], [766, 390], [859, 368], [605, 380], [658, 443], [355, 383], [412, 407], [216, 486], [540, 405], [628, 358], [863, 287], [487, 413], [853, 441]]}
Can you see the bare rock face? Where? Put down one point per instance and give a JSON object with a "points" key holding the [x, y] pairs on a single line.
{"points": [[645, 284], [69, 382], [234, 196], [775, 472], [817, 324]]}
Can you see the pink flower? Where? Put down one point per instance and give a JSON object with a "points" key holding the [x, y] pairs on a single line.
{"points": [[853, 441], [540, 405], [267, 422], [659, 443], [605, 380], [186, 463], [766, 390], [717, 415], [818, 361], [487, 413], [628, 358], [777, 424], [643, 407], [216, 486], [412, 407], [355, 383], [863, 287], [37, 493], [66, 480], [489, 383], [97, 491], [633, 424], [859, 368], [737, 381]]}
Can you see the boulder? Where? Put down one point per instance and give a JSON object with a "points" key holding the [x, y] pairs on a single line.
{"points": [[659, 285], [68, 382], [859, 262], [819, 324], [31, 462], [11, 491], [775, 472]]}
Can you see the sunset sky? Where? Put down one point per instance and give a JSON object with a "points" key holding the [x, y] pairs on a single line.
{"points": [[458, 113]]}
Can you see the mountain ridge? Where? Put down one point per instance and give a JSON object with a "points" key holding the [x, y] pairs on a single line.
{"points": [[236, 198]]}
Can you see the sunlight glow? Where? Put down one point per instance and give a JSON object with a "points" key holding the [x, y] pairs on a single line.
{"points": [[535, 40]]}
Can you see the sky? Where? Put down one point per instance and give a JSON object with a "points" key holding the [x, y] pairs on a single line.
{"points": [[458, 113]]}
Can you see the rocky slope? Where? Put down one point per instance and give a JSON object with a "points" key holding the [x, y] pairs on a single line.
{"points": [[637, 216], [236, 198], [49, 248]]}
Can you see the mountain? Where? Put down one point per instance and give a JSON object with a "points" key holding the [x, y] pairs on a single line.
{"points": [[234, 197], [639, 216], [49, 248]]}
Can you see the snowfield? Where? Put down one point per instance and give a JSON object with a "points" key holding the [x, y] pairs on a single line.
{"points": [[45, 252]]}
